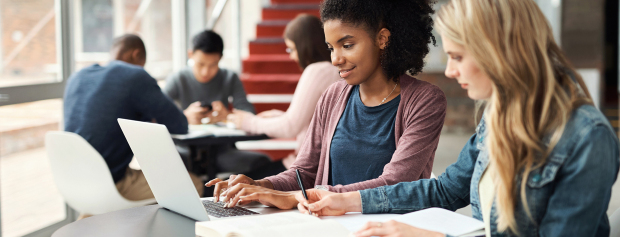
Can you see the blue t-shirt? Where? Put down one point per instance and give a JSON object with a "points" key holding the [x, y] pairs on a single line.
{"points": [[96, 96], [363, 142]]}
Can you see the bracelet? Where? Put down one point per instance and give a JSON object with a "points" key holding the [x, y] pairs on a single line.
{"points": [[321, 187]]}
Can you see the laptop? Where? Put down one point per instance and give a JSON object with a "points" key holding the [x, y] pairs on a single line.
{"points": [[166, 174]]}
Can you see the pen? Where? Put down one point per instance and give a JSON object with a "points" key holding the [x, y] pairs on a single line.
{"points": [[301, 186]]}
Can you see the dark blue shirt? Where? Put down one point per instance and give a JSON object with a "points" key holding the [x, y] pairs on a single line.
{"points": [[363, 142], [96, 96]]}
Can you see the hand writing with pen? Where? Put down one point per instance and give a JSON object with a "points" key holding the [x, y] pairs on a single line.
{"points": [[325, 203]]}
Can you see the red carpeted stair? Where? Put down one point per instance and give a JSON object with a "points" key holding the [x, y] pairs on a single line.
{"points": [[268, 71]]}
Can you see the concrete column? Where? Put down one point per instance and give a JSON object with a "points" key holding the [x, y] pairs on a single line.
{"points": [[552, 9], [196, 19], [119, 17], [179, 35]]}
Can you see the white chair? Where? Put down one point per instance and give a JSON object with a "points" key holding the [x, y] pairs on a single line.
{"points": [[83, 177], [614, 223]]}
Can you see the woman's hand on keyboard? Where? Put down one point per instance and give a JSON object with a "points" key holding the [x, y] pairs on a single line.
{"points": [[222, 186], [245, 193]]}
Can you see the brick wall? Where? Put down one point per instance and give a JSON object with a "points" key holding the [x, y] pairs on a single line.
{"points": [[583, 32], [21, 16], [460, 110]]}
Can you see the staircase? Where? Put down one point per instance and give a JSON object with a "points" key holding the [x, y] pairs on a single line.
{"points": [[269, 76]]}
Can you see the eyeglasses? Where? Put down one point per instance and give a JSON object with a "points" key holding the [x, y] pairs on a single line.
{"points": [[289, 50]]}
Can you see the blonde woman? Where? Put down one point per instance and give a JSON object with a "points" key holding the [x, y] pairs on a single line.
{"points": [[543, 159]]}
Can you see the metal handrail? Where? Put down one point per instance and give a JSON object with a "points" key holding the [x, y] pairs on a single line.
{"points": [[144, 5], [217, 12]]}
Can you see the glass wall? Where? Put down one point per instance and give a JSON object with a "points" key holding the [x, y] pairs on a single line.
{"points": [[98, 22], [28, 37], [29, 56]]}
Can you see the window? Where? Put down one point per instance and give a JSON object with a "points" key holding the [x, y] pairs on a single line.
{"points": [[97, 22], [42, 43], [30, 57], [29, 39], [97, 25]]}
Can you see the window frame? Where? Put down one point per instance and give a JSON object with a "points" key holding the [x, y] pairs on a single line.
{"points": [[185, 17], [42, 91], [52, 90]]}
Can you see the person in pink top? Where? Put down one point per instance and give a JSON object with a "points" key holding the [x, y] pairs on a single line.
{"points": [[305, 42], [379, 126]]}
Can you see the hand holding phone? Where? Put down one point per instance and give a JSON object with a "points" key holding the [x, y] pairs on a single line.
{"points": [[206, 104], [219, 113], [195, 112]]}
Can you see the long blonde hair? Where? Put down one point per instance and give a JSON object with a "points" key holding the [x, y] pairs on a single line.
{"points": [[535, 88]]}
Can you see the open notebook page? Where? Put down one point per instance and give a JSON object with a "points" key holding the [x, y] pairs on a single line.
{"points": [[326, 228], [354, 221], [442, 220], [221, 227]]}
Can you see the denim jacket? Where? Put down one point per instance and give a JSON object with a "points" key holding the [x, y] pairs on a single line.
{"points": [[567, 196]]}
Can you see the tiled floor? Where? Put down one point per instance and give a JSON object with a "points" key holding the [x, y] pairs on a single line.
{"points": [[29, 199]]}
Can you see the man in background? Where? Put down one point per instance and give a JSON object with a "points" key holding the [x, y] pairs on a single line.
{"points": [[204, 83], [97, 96]]}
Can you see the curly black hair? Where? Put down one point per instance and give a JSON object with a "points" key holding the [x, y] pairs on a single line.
{"points": [[409, 22]]}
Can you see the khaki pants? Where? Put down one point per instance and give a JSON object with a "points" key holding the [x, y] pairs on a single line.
{"points": [[134, 186]]}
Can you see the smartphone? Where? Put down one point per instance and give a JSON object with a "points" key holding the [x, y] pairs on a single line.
{"points": [[205, 104]]}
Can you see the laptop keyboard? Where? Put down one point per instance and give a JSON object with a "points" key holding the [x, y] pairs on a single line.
{"points": [[217, 209]]}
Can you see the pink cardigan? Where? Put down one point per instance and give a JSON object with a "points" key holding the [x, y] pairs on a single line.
{"points": [[315, 79], [419, 120]]}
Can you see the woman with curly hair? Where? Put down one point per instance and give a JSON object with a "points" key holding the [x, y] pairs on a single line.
{"points": [[543, 159], [378, 126]]}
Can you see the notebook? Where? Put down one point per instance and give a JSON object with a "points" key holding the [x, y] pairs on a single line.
{"points": [[296, 224], [271, 225], [443, 221]]}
